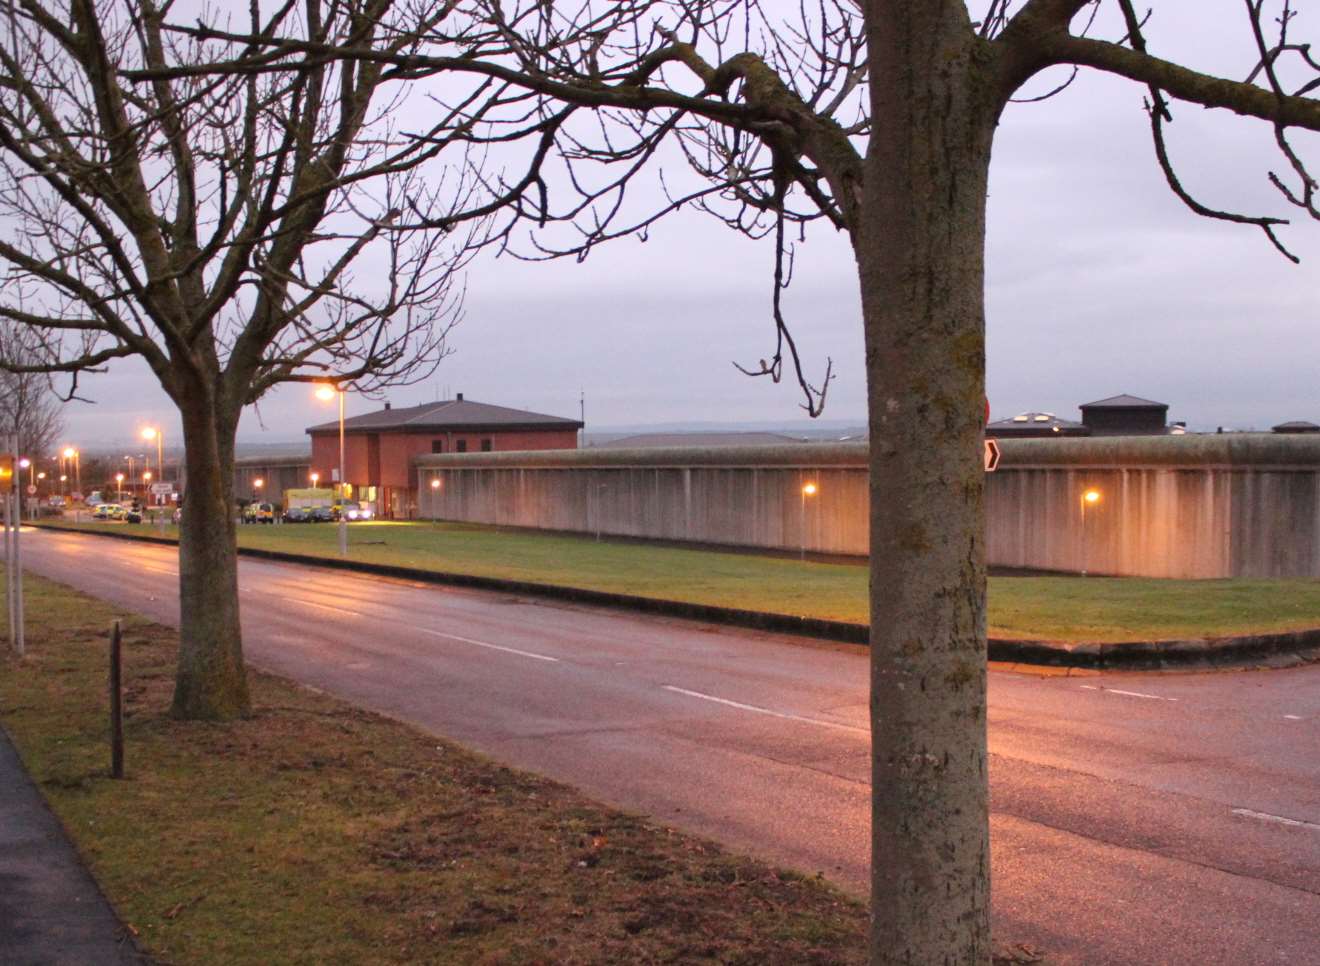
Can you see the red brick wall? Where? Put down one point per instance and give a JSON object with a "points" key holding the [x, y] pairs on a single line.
{"points": [[398, 449], [325, 458]]}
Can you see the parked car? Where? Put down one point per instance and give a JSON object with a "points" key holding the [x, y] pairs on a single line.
{"points": [[321, 514], [109, 511], [258, 513], [351, 511], [55, 500], [133, 516], [296, 514]]}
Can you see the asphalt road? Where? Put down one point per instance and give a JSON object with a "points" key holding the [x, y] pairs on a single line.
{"points": [[1136, 818]]}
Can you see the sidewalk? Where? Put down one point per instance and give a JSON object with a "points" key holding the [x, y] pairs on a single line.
{"points": [[51, 911]]}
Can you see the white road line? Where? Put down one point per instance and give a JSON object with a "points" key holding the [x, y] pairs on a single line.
{"points": [[1277, 819], [758, 710], [1130, 694], [312, 603], [487, 644], [1293, 717]]}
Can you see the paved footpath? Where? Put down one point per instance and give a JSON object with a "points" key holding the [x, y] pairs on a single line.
{"points": [[51, 911]]}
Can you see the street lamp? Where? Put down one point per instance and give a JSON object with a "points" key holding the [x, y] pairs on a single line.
{"points": [[119, 487], [315, 477], [150, 433], [325, 394], [72, 454], [808, 489], [256, 487], [435, 498], [1090, 497]]}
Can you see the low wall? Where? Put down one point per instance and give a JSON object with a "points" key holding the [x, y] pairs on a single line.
{"points": [[748, 496], [1239, 505]]}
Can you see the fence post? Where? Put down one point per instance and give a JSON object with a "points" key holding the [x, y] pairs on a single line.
{"points": [[116, 705]]}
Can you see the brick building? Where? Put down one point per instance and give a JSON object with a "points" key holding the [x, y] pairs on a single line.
{"points": [[379, 447]]}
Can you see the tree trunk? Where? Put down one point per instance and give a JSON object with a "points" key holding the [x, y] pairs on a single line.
{"points": [[920, 258], [210, 682]]}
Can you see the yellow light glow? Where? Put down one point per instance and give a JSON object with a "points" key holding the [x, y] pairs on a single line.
{"points": [[70, 453], [146, 477], [1091, 496], [258, 482], [325, 393], [435, 484], [809, 489], [315, 477], [119, 477], [150, 432], [41, 476]]}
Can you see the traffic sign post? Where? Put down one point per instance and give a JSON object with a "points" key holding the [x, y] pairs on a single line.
{"points": [[991, 456]]}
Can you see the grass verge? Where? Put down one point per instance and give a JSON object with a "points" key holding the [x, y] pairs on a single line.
{"points": [[1068, 609], [314, 832]]}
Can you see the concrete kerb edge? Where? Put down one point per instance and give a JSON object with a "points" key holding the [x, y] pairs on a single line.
{"points": [[1126, 655]]}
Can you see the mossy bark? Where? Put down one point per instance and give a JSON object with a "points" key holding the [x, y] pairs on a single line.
{"points": [[210, 682], [919, 248]]}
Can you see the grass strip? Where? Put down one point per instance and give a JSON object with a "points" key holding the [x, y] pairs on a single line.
{"points": [[1053, 608], [314, 832]]}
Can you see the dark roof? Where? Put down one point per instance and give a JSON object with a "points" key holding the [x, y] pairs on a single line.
{"points": [[1297, 426], [1124, 401], [649, 440], [451, 414], [1036, 424]]}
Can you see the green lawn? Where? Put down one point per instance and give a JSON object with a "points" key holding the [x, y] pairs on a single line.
{"points": [[1046, 608]]}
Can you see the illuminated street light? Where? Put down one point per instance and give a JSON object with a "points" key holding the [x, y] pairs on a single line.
{"points": [[808, 489], [435, 494], [315, 478], [150, 433], [326, 393], [1090, 497], [119, 487]]}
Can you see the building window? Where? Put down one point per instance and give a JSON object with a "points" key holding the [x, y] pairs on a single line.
{"points": [[486, 445], [460, 446], [437, 446]]}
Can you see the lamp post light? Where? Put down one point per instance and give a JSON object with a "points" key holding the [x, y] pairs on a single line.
{"points": [[808, 489], [325, 394], [435, 499], [150, 433], [256, 488], [1090, 497], [119, 487], [72, 454]]}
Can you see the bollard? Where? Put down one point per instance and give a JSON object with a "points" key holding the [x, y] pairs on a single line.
{"points": [[116, 705]]}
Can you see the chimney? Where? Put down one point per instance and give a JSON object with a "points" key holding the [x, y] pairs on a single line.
{"points": [[460, 397], [387, 405]]}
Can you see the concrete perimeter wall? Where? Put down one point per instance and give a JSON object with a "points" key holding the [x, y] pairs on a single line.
{"points": [[1232, 505], [742, 496], [1240, 505]]}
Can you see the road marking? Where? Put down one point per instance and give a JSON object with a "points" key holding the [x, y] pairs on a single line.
{"points": [[1130, 694], [758, 710], [312, 603], [493, 647], [1277, 819]]}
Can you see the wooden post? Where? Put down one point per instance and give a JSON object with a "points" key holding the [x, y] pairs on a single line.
{"points": [[116, 706]]}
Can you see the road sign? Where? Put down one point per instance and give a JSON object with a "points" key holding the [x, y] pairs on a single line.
{"points": [[6, 472], [162, 489], [32, 489], [991, 455]]}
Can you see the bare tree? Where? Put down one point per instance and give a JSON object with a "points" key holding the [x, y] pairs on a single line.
{"points": [[31, 413], [876, 117], [211, 226]]}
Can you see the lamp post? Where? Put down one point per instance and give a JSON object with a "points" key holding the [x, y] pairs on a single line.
{"points": [[256, 488], [119, 487], [72, 454], [150, 433], [435, 498], [808, 489], [325, 394], [24, 464], [1090, 497]]}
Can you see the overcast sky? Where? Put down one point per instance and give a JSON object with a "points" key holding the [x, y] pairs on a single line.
{"points": [[1099, 282]]}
